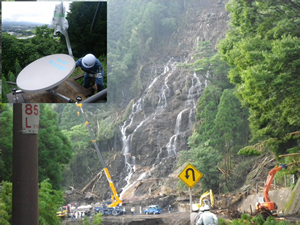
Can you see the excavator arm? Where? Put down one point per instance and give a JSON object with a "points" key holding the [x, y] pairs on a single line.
{"points": [[115, 198], [203, 196], [269, 182], [268, 206]]}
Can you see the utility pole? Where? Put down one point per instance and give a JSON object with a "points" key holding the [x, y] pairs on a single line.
{"points": [[25, 164]]}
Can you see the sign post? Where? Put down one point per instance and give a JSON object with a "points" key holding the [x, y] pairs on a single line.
{"points": [[25, 164], [190, 176]]}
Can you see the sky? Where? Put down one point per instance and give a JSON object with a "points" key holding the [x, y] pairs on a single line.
{"points": [[41, 12]]}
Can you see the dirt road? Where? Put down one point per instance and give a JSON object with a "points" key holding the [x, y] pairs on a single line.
{"points": [[142, 219]]}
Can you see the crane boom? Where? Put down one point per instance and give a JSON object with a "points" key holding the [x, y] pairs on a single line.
{"points": [[115, 197]]}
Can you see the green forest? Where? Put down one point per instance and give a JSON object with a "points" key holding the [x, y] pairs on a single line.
{"points": [[249, 109], [18, 53]]}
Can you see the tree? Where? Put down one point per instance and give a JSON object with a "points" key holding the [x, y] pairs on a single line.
{"points": [[82, 39], [206, 160], [54, 147], [49, 202], [6, 140], [137, 28], [25, 51], [262, 48], [221, 126], [5, 203]]}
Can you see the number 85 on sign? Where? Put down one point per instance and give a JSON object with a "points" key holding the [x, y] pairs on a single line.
{"points": [[30, 118]]}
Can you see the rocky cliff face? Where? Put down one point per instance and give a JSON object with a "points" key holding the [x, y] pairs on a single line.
{"points": [[161, 118]]}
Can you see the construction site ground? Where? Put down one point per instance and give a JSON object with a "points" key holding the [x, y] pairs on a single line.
{"points": [[173, 218]]}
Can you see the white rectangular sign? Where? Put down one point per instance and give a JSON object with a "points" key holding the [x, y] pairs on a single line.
{"points": [[30, 118]]}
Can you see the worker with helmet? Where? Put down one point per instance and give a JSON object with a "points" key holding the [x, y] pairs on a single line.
{"points": [[92, 68], [207, 218], [201, 211]]}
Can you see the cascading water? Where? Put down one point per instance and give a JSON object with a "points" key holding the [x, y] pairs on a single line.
{"points": [[160, 86], [190, 105]]}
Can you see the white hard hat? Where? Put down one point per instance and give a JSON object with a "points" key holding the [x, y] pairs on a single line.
{"points": [[201, 209], [89, 60], [206, 208]]}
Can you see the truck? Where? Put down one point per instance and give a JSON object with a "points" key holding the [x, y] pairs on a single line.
{"points": [[67, 210], [105, 210], [153, 209], [265, 206]]}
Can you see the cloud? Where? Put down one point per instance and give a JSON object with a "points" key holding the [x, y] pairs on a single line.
{"points": [[41, 12]]}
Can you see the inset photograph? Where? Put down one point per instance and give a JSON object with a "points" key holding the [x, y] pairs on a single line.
{"points": [[54, 52]]}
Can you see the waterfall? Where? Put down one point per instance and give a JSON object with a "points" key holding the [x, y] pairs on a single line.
{"points": [[162, 102], [158, 89], [194, 93]]}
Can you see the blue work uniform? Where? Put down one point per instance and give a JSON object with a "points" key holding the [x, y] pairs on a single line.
{"points": [[93, 70]]}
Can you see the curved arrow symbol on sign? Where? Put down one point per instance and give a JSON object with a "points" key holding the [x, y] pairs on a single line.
{"points": [[187, 173]]}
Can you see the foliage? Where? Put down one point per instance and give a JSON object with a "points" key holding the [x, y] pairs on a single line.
{"points": [[137, 28], [5, 203], [258, 219], [97, 220], [249, 151], [54, 147], [206, 160], [84, 40], [18, 53], [103, 120], [221, 127], [49, 202], [222, 221], [245, 217], [25, 51], [261, 47], [270, 221], [6, 140]]}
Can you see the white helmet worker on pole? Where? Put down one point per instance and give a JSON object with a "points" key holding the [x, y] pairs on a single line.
{"points": [[92, 68], [207, 217], [89, 60]]}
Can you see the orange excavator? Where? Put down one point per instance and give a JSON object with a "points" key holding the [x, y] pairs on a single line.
{"points": [[268, 207]]}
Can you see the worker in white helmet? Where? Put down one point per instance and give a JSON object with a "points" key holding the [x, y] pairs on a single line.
{"points": [[207, 218], [92, 68]]}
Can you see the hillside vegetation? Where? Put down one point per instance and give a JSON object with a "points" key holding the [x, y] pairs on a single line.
{"points": [[248, 109]]}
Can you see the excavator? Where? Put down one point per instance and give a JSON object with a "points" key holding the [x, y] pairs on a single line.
{"points": [[204, 201], [267, 207], [116, 201]]}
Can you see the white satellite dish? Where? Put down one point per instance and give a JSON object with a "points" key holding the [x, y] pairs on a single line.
{"points": [[45, 73]]}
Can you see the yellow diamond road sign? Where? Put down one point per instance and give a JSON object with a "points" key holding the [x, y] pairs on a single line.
{"points": [[190, 175]]}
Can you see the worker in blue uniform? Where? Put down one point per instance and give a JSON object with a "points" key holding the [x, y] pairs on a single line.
{"points": [[92, 68]]}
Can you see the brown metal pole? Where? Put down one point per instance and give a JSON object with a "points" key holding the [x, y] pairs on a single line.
{"points": [[25, 173]]}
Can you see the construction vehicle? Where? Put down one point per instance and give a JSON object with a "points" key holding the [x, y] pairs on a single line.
{"points": [[63, 212], [266, 207], [204, 201], [113, 206], [153, 209]]}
